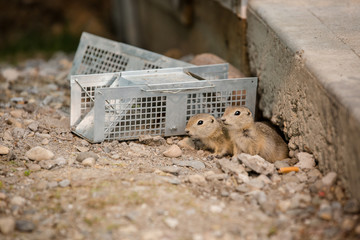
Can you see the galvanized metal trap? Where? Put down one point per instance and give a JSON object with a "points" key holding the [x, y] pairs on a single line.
{"points": [[123, 106], [99, 55]]}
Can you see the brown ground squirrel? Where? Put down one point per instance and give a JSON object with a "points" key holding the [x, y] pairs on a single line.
{"points": [[255, 138], [211, 133]]}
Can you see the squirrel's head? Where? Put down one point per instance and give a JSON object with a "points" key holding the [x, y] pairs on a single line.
{"points": [[237, 117], [201, 126]]}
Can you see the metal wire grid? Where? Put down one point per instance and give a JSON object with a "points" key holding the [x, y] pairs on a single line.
{"points": [[99, 55], [144, 116], [214, 103], [86, 102], [97, 60]]}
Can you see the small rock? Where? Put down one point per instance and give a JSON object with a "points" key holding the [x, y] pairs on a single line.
{"points": [[24, 226], [169, 141], [301, 176], [284, 205], [236, 197], [242, 188], [306, 160], [194, 164], [60, 161], [152, 141], [220, 176], [16, 113], [197, 179], [329, 179], [45, 141], [89, 162], [83, 155], [348, 224], [17, 201], [33, 126], [171, 169], [39, 154], [10, 74], [216, 208], [115, 156], [14, 122], [276, 178], [352, 206], [52, 184], [2, 196], [82, 149], [7, 136], [173, 152], [171, 222], [186, 143], [7, 225], [255, 183], [47, 164], [64, 183], [300, 200], [4, 150], [257, 163], [325, 211], [43, 135], [233, 168]]}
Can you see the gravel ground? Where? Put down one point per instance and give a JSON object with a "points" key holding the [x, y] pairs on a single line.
{"points": [[55, 185]]}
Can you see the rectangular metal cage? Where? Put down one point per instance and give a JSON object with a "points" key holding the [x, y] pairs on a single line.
{"points": [[100, 55], [124, 106]]}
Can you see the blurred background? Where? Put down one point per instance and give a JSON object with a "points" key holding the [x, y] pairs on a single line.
{"points": [[176, 28]]}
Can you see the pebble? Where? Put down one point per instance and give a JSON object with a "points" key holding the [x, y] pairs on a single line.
{"points": [[82, 149], [171, 222], [348, 224], [233, 168], [52, 184], [10, 74], [7, 136], [171, 169], [43, 135], [172, 180], [88, 162], [83, 155], [216, 208], [352, 206], [16, 113], [17, 201], [64, 183], [329, 179], [306, 160], [4, 150], [300, 200], [115, 156], [60, 161], [170, 141], [45, 141], [257, 164], [255, 183], [14, 122], [197, 179], [173, 152], [47, 164], [242, 188], [39, 154], [301, 176], [186, 143], [152, 140], [2, 196], [7, 225], [325, 211], [194, 164], [24, 225], [219, 176], [33, 126]]}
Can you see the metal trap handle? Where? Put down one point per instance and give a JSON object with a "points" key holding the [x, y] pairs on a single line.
{"points": [[176, 90]]}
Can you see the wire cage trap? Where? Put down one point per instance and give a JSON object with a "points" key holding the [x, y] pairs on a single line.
{"points": [[124, 106], [100, 55]]}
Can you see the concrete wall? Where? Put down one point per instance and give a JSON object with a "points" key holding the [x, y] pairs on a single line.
{"points": [[311, 117]]}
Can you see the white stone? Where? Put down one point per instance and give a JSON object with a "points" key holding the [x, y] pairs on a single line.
{"points": [[257, 164], [186, 143], [197, 179], [88, 162], [10, 74], [171, 222], [329, 179], [173, 152], [306, 160], [18, 201], [45, 141], [39, 154], [7, 225], [4, 150]]}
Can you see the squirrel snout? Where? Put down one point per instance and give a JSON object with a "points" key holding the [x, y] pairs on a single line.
{"points": [[187, 131], [223, 119]]}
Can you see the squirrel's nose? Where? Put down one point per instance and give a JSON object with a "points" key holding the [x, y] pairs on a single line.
{"points": [[223, 119], [187, 131]]}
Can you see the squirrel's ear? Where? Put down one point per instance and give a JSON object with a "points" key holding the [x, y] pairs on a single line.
{"points": [[249, 113], [212, 120]]}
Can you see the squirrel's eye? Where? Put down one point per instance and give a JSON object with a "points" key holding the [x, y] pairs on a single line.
{"points": [[200, 122], [237, 113]]}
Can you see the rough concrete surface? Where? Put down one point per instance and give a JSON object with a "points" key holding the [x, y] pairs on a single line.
{"points": [[306, 55]]}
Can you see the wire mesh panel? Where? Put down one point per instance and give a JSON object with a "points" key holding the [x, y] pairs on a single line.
{"points": [[163, 109], [99, 55]]}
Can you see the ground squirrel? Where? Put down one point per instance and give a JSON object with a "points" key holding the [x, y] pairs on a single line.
{"points": [[255, 138], [211, 132]]}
